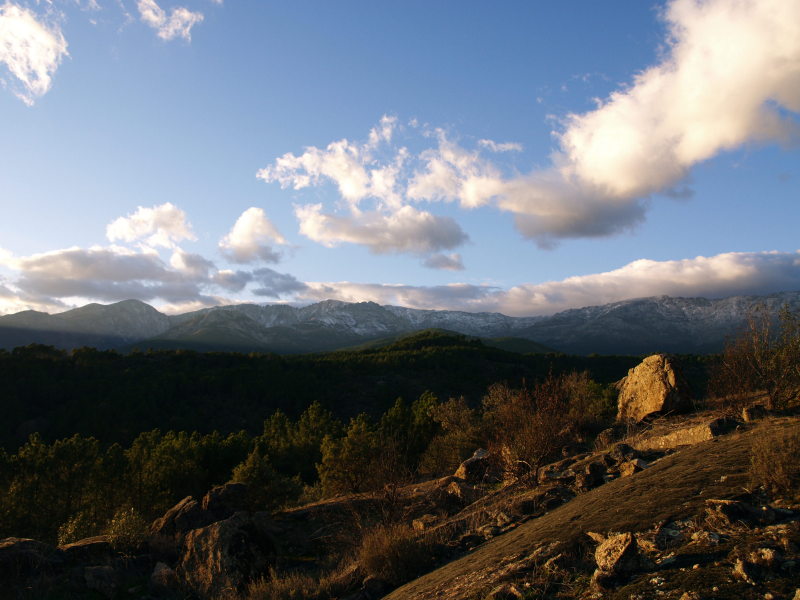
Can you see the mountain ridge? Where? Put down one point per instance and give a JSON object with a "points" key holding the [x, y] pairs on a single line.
{"points": [[635, 326]]}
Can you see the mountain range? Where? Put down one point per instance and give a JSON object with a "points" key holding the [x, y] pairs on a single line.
{"points": [[639, 326]]}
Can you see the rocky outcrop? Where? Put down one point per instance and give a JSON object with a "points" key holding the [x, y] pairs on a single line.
{"points": [[688, 435], [223, 557], [655, 386]]}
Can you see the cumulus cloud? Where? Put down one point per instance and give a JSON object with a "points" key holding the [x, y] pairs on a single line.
{"points": [[164, 225], [404, 230], [729, 74], [351, 166], [59, 278], [30, 50], [729, 274], [251, 239], [178, 24]]}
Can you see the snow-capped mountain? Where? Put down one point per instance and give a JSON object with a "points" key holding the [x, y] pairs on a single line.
{"points": [[629, 327]]}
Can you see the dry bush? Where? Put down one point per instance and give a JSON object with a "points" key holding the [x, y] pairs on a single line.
{"points": [[764, 357], [528, 426], [774, 463], [396, 553], [288, 586]]}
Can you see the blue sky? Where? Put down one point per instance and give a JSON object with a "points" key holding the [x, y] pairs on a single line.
{"points": [[517, 157]]}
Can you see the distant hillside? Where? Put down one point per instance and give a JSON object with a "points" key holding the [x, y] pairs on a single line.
{"points": [[116, 396], [640, 326]]}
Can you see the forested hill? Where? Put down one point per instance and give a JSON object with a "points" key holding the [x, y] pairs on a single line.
{"points": [[115, 396]]}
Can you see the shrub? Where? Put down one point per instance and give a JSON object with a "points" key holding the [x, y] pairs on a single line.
{"points": [[765, 357], [774, 464], [126, 530], [79, 526], [395, 553]]}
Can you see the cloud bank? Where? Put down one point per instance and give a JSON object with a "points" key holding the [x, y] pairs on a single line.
{"points": [[149, 264], [729, 274]]}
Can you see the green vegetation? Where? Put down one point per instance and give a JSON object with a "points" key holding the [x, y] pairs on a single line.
{"points": [[114, 397]]}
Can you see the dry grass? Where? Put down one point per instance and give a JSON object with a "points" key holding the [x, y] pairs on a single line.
{"points": [[774, 463], [396, 553], [304, 585]]}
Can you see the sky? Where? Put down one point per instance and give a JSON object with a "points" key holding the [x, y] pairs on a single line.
{"points": [[517, 157]]}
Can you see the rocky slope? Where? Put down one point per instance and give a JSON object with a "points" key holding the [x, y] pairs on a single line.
{"points": [[681, 522], [662, 324]]}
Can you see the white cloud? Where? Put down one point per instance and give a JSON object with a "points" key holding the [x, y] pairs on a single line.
{"points": [[729, 274], [404, 230], [500, 147], [164, 225], [452, 173], [30, 50], [178, 23], [251, 239], [729, 72], [352, 167]]}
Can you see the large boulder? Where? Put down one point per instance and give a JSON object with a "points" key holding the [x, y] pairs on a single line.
{"points": [[477, 468], [222, 558], [656, 385]]}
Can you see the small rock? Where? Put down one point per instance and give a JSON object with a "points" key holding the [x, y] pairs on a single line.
{"points": [[630, 467], [764, 557], [743, 571], [796, 594], [424, 522], [619, 554], [490, 531], [753, 413], [502, 519], [690, 596], [708, 537]]}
